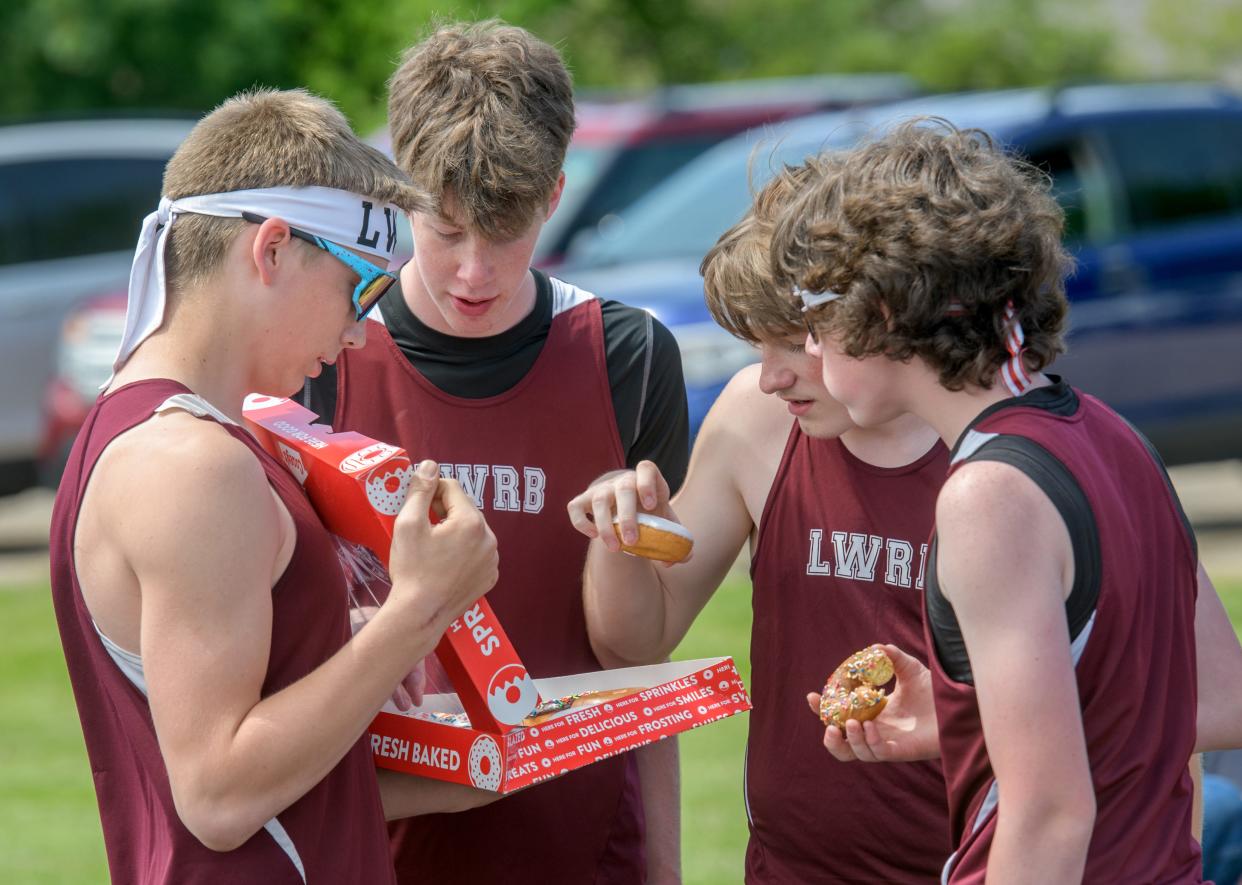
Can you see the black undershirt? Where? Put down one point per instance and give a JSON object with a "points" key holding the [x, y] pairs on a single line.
{"points": [[644, 371]]}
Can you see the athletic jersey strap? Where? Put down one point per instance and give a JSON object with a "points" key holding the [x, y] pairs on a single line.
{"points": [[196, 406], [1055, 481]]}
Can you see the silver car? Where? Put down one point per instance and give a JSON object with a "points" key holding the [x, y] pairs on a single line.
{"points": [[72, 197]]}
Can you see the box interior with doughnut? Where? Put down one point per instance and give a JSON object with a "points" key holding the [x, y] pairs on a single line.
{"points": [[500, 729]]}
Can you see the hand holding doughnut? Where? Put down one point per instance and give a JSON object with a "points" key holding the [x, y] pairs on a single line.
{"points": [[658, 538], [905, 732], [853, 690]]}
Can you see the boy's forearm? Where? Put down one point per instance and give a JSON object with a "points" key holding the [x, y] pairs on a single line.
{"points": [[1219, 719], [1037, 846], [627, 607], [407, 795], [292, 739], [659, 771]]}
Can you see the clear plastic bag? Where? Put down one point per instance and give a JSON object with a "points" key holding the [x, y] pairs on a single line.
{"points": [[368, 584]]}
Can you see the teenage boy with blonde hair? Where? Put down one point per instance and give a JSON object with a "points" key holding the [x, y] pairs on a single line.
{"points": [[1080, 653], [200, 601], [836, 518], [525, 388]]}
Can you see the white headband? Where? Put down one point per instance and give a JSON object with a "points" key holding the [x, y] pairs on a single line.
{"points": [[344, 218], [815, 299]]}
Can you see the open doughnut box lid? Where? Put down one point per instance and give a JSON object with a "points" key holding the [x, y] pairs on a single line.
{"points": [[476, 735]]}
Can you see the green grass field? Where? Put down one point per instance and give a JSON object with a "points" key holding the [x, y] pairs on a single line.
{"points": [[49, 828]]}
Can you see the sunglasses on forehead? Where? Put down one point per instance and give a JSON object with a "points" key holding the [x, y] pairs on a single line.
{"points": [[373, 281], [811, 300]]}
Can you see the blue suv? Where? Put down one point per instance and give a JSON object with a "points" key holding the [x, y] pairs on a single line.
{"points": [[1150, 177]]}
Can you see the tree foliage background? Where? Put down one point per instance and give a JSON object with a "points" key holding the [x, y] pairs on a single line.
{"points": [[71, 56]]}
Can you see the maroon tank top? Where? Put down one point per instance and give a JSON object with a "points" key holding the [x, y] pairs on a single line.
{"points": [[1132, 632], [335, 833], [522, 455], [838, 566]]}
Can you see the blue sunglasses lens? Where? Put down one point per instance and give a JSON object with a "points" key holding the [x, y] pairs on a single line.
{"points": [[370, 295]]}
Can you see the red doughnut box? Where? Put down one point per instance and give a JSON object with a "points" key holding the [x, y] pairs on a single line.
{"points": [[357, 485]]}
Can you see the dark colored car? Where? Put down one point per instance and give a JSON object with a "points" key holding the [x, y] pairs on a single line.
{"points": [[72, 197], [623, 148], [1150, 177]]}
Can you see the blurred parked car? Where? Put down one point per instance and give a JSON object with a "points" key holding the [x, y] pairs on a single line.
{"points": [[1150, 177], [72, 197], [1152, 186], [623, 148]]}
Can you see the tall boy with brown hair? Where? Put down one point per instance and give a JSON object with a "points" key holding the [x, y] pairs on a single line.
{"points": [[1072, 627], [836, 518], [524, 388], [200, 602]]}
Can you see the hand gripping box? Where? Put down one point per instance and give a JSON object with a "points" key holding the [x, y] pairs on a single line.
{"points": [[485, 734]]}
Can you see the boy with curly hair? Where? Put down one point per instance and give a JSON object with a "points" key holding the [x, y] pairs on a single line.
{"points": [[836, 519], [1064, 599]]}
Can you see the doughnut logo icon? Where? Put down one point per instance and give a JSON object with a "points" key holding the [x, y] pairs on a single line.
{"points": [[511, 694], [388, 484], [256, 401], [548, 745], [707, 674], [293, 461], [724, 685], [364, 458], [484, 763]]}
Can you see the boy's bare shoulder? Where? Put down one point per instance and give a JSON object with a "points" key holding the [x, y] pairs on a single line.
{"points": [[175, 460], [753, 413], [986, 489], [744, 428]]}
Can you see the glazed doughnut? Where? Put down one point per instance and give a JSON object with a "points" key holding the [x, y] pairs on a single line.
{"points": [[660, 539], [853, 690], [548, 709]]}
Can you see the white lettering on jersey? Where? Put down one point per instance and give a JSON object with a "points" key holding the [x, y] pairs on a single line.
{"points": [[505, 493], [473, 479], [513, 492], [856, 556], [536, 482], [897, 564], [815, 564], [853, 560]]}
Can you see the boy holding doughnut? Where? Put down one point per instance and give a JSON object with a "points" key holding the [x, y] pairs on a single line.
{"points": [[1064, 600], [200, 601], [523, 388], [836, 518]]}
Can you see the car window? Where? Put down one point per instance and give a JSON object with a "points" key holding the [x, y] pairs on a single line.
{"points": [[1067, 186], [1182, 170], [583, 166], [688, 212], [75, 206], [639, 167], [1079, 183]]}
